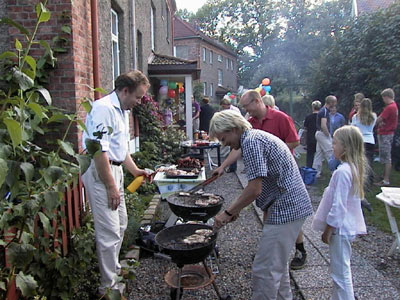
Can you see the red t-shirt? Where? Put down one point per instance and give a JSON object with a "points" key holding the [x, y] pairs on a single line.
{"points": [[390, 119], [277, 123], [351, 114]]}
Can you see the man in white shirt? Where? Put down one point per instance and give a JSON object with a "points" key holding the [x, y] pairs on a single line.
{"points": [[108, 126]]}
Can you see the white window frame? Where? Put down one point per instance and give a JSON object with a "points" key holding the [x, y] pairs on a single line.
{"points": [[220, 58], [204, 54], [204, 88], [227, 63], [152, 28], [211, 89], [232, 64], [220, 77], [115, 41], [211, 57]]}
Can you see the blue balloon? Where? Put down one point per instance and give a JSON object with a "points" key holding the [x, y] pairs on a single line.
{"points": [[267, 88], [163, 82]]}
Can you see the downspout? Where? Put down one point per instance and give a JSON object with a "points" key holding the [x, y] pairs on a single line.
{"points": [[95, 47]]}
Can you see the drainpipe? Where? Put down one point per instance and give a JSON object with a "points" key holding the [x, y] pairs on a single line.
{"points": [[133, 35], [95, 47]]}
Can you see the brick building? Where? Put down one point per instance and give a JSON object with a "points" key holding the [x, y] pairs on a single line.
{"points": [[107, 38], [368, 6], [218, 63]]}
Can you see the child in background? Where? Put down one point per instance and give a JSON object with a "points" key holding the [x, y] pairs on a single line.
{"points": [[339, 214]]}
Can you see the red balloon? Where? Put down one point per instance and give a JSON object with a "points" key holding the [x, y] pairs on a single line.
{"points": [[266, 81], [262, 92], [171, 93], [232, 96], [181, 90]]}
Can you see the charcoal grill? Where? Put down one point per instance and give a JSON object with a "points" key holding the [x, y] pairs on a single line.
{"points": [[171, 240]]}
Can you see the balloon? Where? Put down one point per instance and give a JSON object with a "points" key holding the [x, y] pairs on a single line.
{"points": [[228, 93], [265, 81], [267, 88], [163, 90], [180, 84], [263, 92], [164, 82], [171, 93], [232, 96], [181, 90], [258, 89], [172, 85]]}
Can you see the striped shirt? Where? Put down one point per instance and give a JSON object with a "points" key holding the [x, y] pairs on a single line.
{"points": [[266, 156]]}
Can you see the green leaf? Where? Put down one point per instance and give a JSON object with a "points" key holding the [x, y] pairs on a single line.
{"points": [[46, 95], [45, 221], [2, 286], [21, 28], [3, 171], [31, 74], [14, 130], [31, 62], [52, 174], [67, 147], [84, 162], [87, 105], [92, 147], [20, 254], [100, 90], [29, 170], [66, 29], [8, 54], [42, 13], [57, 117], [38, 110], [49, 52], [24, 81], [18, 44], [81, 125], [27, 284], [51, 200]]}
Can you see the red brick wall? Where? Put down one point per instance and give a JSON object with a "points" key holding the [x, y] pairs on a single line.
{"points": [[71, 79]]}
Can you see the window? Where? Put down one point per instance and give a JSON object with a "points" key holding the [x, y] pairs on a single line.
{"points": [[115, 44], [211, 90], [220, 75], [139, 50], [204, 54], [227, 63], [204, 88], [220, 59], [211, 57], [231, 64], [182, 52], [153, 27]]}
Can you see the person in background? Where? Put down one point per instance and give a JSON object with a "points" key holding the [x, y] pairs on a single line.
{"points": [[206, 113], [195, 114], [387, 124], [226, 105], [323, 137], [269, 101], [310, 124], [339, 215], [104, 179], [356, 104], [275, 183], [337, 120]]}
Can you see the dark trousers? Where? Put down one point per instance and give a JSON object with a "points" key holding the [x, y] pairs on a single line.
{"points": [[369, 153], [311, 148]]}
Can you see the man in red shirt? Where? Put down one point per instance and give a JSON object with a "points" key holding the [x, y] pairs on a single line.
{"points": [[387, 124]]}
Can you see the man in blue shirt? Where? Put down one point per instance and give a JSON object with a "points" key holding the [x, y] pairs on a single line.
{"points": [[337, 120]]}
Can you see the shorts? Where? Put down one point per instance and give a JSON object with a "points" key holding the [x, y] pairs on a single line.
{"points": [[385, 148]]}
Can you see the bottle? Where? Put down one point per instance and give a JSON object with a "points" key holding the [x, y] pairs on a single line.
{"points": [[134, 185]]}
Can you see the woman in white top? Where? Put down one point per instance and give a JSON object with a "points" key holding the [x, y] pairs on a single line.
{"points": [[339, 214], [365, 120]]}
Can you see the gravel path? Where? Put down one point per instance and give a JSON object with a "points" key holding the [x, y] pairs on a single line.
{"points": [[237, 243]]}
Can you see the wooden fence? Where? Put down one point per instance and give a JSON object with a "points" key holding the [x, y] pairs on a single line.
{"points": [[73, 210]]}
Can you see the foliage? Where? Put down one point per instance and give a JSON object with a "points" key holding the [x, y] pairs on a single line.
{"points": [[364, 59], [198, 90], [33, 179]]}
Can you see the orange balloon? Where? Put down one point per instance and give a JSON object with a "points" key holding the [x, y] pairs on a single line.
{"points": [[266, 81]]}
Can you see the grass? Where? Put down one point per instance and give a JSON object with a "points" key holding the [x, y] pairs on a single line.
{"points": [[378, 217]]}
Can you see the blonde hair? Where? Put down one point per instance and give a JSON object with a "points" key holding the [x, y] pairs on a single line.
{"points": [[351, 139], [227, 120], [269, 100], [388, 93], [365, 113], [358, 97], [316, 105], [330, 99]]}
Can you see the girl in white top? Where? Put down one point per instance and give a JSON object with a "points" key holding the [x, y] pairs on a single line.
{"points": [[339, 214]]}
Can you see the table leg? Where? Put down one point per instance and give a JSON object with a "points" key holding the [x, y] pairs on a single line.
{"points": [[395, 230]]}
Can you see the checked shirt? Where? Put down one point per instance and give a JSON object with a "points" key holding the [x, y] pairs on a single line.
{"points": [[265, 155]]}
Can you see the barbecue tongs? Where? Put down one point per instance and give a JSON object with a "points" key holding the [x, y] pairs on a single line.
{"points": [[203, 184]]}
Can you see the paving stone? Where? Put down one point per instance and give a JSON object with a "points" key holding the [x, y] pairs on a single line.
{"points": [[133, 254]]}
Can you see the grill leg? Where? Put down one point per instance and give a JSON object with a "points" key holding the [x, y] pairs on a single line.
{"points": [[213, 283], [178, 290]]}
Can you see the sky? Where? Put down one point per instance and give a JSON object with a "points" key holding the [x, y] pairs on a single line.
{"points": [[190, 5]]}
